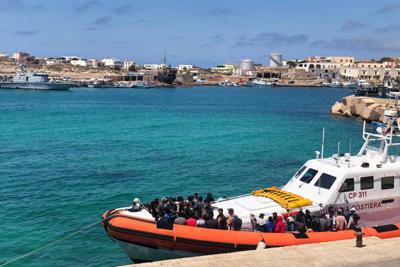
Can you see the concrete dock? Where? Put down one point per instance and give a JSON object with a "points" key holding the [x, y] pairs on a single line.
{"points": [[376, 252]]}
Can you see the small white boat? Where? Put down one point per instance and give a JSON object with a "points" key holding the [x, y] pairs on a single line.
{"points": [[259, 82]]}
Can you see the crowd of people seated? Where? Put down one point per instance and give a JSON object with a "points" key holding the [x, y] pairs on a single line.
{"points": [[194, 211], [304, 221]]}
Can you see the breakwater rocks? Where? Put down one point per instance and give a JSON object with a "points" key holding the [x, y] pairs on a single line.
{"points": [[367, 108]]}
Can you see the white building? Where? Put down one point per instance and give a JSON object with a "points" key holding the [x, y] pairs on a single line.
{"points": [[112, 63], [128, 64], [69, 58], [55, 61], [79, 62], [154, 66], [94, 63], [185, 67]]}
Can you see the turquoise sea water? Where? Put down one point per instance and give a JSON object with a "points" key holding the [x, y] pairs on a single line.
{"points": [[66, 157]]}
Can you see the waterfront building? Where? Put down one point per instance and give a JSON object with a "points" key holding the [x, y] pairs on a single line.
{"points": [[371, 70], [323, 69], [341, 61], [271, 72], [275, 60], [226, 69], [112, 63]]}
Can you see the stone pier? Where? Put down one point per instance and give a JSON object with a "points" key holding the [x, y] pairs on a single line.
{"points": [[376, 252]]}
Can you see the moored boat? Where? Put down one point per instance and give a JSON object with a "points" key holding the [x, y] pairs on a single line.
{"points": [[34, 81], [367, 183]]}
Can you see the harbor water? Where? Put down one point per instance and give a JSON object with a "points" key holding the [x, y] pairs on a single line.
{"points": [[66, 157]]}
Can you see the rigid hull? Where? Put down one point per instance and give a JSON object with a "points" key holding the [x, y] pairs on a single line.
{"points": [[143, 241], [36, 86]]}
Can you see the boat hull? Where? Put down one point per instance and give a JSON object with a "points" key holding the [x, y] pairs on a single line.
{"points": [[37, 86], [143, 240]]}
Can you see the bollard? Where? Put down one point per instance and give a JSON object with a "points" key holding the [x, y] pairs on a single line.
{"points": [[359, 240], [261, 245]]}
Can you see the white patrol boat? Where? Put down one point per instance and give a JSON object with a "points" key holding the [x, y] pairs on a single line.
{"points": [[369, 182]]}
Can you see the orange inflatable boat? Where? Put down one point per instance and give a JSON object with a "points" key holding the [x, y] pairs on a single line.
{"points": [[143, 240]]}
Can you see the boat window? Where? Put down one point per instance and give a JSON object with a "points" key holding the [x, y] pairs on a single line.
{"points": [[367, 182], [300, 171], [325, 181], [347, 186], [387, 182], [308, 176]]}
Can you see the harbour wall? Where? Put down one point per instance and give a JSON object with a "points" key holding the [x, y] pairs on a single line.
{"points": [[376, 252], [367, 108]]}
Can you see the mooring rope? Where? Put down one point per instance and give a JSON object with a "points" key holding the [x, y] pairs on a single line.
{"points": [[55, 241]]}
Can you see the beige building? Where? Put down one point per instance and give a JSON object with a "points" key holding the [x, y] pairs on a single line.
{"points": [[17, 56], [370, 70], [224, 69], [340, 61]]}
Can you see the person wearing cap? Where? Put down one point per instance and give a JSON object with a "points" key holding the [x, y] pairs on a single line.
{"points": [[351, 217]]}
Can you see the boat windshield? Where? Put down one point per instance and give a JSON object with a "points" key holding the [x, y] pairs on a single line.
{"points": [[300, 171], [325, 181], [308, 175]]}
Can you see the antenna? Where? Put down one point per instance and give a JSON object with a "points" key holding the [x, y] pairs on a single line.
{"points": [[350, 146], [164, 60], [323, 143], [338, 149]]}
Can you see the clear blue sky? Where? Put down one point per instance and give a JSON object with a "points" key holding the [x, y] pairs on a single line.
{"points": [[200, 32]]}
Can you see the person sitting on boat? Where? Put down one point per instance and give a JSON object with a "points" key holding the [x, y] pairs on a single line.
{"points": [[200, 222], [191, 221], [261, 221], [180, 219], [231, 218], [349, 218], [221, 220], [209, 198], [290, 224], [354, 223], [280, 226], [308, 219], [331, 220], [233, 221], [269, 226], [301, 221], [208, 211], [341, 223], [323, 223], [136, 205], [211, 223], [253, 222]]}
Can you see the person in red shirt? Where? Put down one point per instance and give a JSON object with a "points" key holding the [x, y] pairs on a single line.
{"points": [[191, 221], [280, 226]]}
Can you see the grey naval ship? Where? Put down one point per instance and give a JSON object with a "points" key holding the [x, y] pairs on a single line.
{"points": [[34, 81]]}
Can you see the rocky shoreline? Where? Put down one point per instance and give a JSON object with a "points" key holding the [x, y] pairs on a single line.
{"points": [[367, 108]]}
